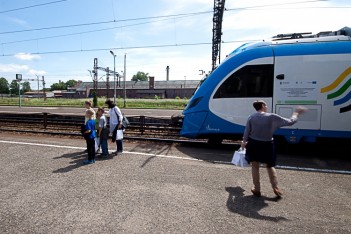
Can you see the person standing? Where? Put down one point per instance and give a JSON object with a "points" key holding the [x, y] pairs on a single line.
{"points": [[116, 118], [258, 141], [87, 106], [89, 136], [103, 132]]}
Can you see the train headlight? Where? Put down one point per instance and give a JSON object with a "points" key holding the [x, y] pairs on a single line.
{"points": [[193, 102]]}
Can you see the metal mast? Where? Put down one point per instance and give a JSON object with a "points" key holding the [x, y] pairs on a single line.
{"points": [[108, 73], [218, 10], [95, 79]]}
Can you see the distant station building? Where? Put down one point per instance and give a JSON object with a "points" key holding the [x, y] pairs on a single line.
{"points": [[141, 89]]}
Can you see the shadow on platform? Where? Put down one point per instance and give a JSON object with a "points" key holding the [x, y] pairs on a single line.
{"points": [[249, 206], [77, 160]]}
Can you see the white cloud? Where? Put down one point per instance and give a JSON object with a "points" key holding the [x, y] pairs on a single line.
{"points": [[13, 68], [36, 72], [26, 56], [18, 21]]}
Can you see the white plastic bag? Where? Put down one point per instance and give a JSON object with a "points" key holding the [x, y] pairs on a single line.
{"points": [[119, 135], [239, 158], [97, 144]]}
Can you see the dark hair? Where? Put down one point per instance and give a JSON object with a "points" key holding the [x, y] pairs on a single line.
{"points": [[259, 104], [110, 103]]}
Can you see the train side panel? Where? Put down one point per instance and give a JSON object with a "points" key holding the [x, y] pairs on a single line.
{"points": [[304, 80]]}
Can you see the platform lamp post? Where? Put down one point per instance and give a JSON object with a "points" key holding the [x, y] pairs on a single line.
{"points": [[19, 79], [124, 82], [114, 76]]}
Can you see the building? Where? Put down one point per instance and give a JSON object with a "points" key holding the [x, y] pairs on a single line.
{"points": [[141, 89]]}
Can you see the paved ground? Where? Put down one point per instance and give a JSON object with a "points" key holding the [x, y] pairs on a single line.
{"points": [[151, 188]]}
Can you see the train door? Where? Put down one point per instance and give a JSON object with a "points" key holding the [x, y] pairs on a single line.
{"points": [[297, 83]]}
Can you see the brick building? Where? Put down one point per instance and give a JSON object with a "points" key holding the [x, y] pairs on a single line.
{"points": [[141, 89]]}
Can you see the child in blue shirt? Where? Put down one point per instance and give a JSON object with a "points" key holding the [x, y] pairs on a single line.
{"points": [[89, 136]]}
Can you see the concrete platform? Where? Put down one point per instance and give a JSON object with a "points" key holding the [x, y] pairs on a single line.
{"points": [[157, 188]]}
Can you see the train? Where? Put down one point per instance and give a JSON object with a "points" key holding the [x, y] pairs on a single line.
{"points": [[313, 70]]}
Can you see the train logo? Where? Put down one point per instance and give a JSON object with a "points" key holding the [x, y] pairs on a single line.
{"points": [[338, 91]]}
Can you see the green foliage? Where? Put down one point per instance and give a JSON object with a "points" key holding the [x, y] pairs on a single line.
{"points": [[132, 103], [63, 85], [58, 86], [14, 87], [26, 87], [156, 97], [4, 86], [95, 99], [71, 83], [140, 76], [177, 97]]}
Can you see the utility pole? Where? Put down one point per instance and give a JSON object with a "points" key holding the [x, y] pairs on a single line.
{"points": [[95, 79], [19, 79], [124, 79], [114, 76], [44, 88], [218, 10], [107, 82], [108, 73]]}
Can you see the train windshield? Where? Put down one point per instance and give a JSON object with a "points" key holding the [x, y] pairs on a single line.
{"points": [[249, 81]]}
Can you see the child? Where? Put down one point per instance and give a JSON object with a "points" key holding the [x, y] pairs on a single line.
{"points": [[103, 132], [87, 105], [89, 136], [97, 139]]}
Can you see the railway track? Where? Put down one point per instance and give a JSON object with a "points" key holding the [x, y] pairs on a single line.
{"points": [[140, 128]]}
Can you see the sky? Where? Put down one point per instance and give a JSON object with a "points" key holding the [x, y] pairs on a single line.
{"points": [[59, 39]]}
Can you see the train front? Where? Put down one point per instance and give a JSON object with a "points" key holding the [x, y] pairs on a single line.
{"points": [[209, 117]]}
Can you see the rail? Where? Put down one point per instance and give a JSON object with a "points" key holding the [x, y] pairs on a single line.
{"points": [[140, 126]]}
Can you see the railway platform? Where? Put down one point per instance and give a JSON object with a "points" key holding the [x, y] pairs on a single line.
{"points": [[158, 188]]}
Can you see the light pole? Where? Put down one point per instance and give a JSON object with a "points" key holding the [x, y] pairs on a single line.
{"points": [[114, 76], [124, 81]]}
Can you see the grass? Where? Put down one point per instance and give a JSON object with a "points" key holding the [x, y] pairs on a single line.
{"points": [[178, 104]]}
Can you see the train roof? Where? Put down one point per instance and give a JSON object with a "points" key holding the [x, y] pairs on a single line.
{"points": [[343, 34]]}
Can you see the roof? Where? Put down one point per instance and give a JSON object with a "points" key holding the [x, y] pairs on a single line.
{"points": [[171, 84]]}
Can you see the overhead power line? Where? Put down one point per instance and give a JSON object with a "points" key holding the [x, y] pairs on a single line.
{"points": [[89, 31], [27, 7], [108, 22], [127, 48], [155, 17]]}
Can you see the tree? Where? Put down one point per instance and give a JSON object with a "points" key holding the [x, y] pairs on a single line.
{"points": [[14, 87], [4, 86], [58, 86], [140, 76], [26, 87], [71, 83]]}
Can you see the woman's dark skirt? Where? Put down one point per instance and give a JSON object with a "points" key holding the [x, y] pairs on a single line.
{"points": [[261, 151]]}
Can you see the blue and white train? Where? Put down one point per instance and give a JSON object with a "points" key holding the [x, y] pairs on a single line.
{"points": [[288, 70]]}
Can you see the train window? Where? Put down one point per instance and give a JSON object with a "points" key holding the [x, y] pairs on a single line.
{"points": [[249, 81]]}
